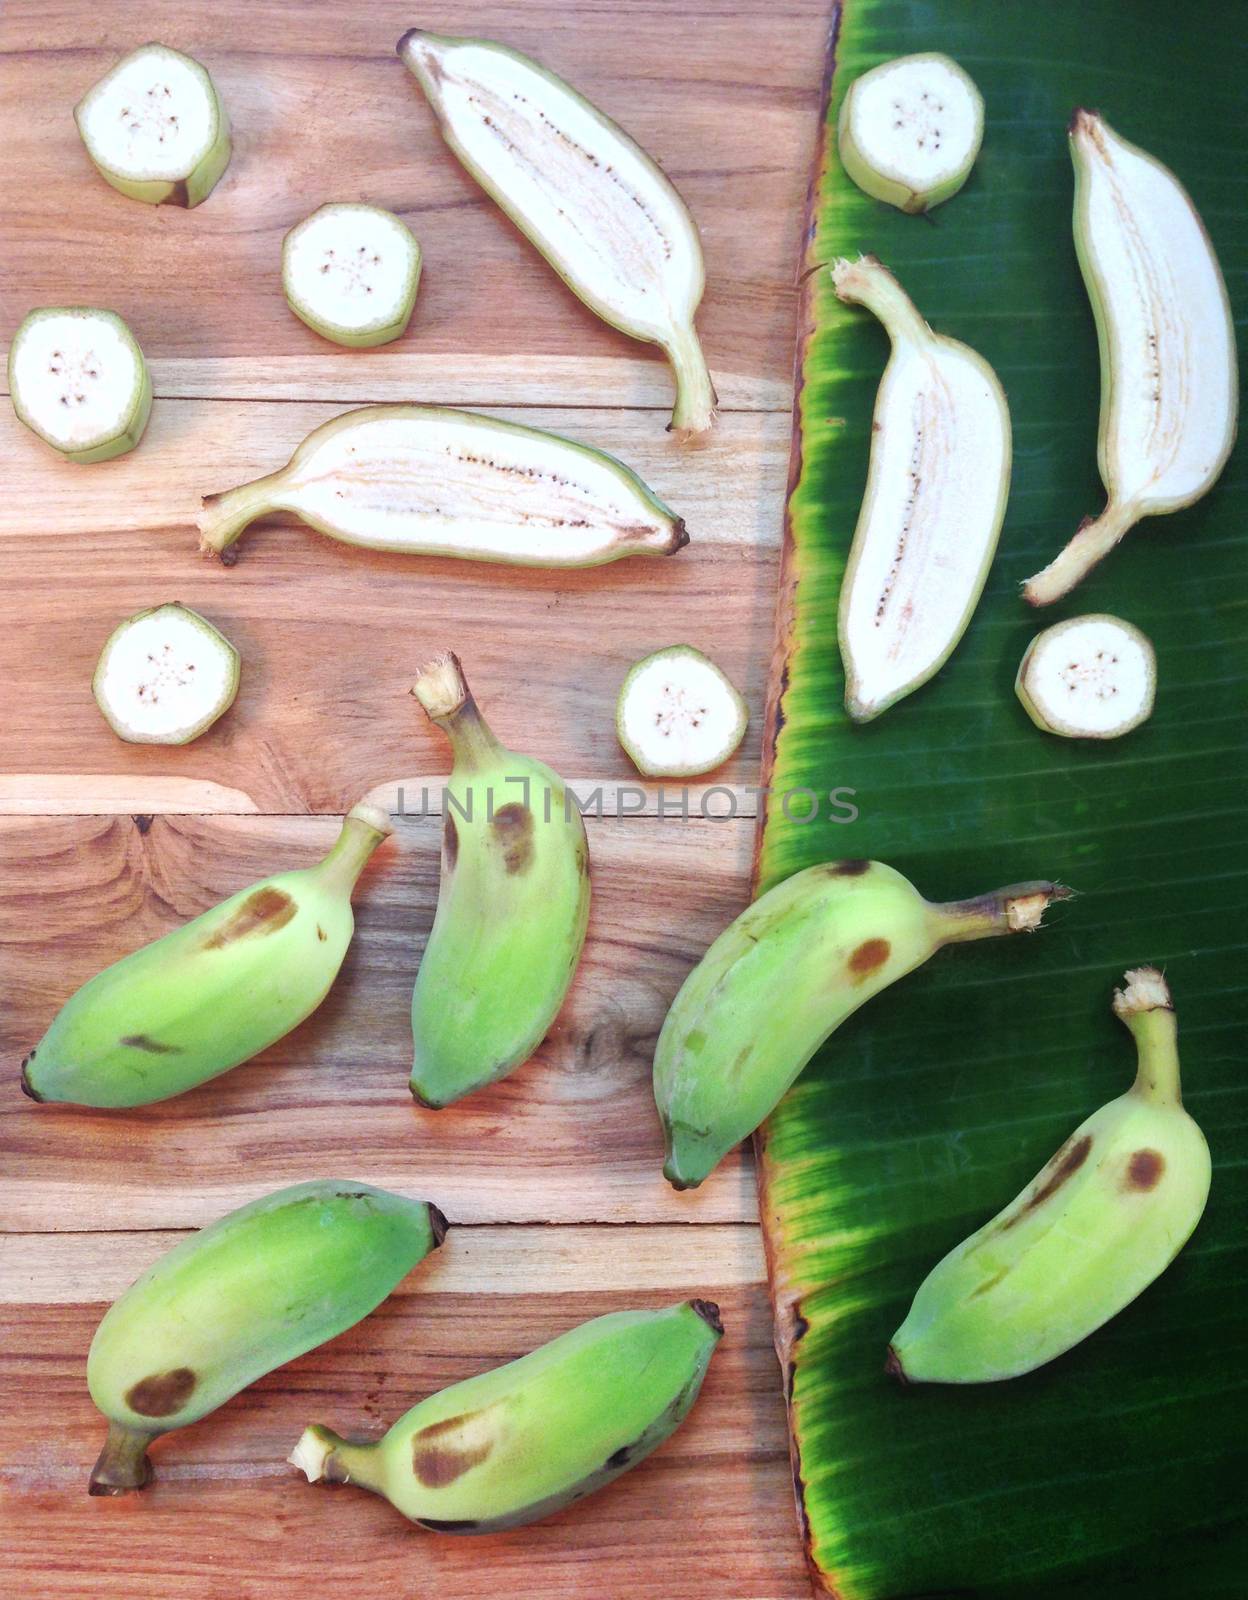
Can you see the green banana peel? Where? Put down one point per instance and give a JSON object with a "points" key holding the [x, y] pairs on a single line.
{"points": [[1097, 1224], [783, 977], [513, 904], [212, 994], [260, 1286], [511, 1446]]}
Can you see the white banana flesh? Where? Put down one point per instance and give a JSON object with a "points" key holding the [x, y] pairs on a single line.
{"points": [[351, 273], [1169, 389], [598, 208], [165, 676], [155, 127], [678, 716], [1089, 677], [78, 379], [1104, 1218], [909, 130], [424, 480], [935, 498]]}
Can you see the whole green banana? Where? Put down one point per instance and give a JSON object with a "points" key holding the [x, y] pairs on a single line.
{"points": [[211, 994], [1106, 1216], [510, 1446], [512, 905], [254, 1290], [784, 976]]}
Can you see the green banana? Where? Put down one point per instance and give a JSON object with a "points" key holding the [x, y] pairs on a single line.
{"points": [[1106, 1216], [516, 1444], [254, 1290], [211, 994], [784, 976], [512, 905]]}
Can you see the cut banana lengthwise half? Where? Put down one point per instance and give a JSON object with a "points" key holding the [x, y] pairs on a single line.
{"points": [[598, 208], [936, 490], [155, 128], [910, 129], [678, 716], [165, 676], [511, 1446], [423, 480], [351, 273], [1106, 1216], [78, 379], [1169, 391], [1088, 678]]}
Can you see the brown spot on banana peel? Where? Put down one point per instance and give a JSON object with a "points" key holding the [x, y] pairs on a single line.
{"points": [[894, 1369], [450, 843], [1144, 1169], [163, 1393], [513, 828], [435, 1465], [869, 957], [1064, 1165], [848, 869], [149, 1046], [263, 912]]}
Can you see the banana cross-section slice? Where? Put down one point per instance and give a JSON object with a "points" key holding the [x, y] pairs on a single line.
{"points": [[78, 379], [424, 480], [1088, 678], [935, 498], [598, 208], [351, 272], [1169, 391], [165, 676], [155, 128], [910, 129]]}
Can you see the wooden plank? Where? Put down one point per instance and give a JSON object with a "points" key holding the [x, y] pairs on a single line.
{"points": [[319, 102], [323, 711], [79, 892], [331, 639], [227, 1517]]}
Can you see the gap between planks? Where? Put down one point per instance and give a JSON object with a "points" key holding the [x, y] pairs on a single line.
{"points": [[508, 1258], [609, 383], [115, 795]]}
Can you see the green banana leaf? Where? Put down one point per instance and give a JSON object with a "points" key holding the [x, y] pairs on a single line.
{"points": [[1120, 1469]]}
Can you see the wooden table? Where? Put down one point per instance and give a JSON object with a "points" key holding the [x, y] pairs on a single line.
{"points": [[551, 1180]]}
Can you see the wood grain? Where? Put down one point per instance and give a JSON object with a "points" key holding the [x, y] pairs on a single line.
{"points": [[551, 1179]]}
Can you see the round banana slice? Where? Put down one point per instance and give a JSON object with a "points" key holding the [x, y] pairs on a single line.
{"points": [[351, 272], [910, 129], [1089, 677], [165, 676], [155, 127], [78, 379], [678, 716]]}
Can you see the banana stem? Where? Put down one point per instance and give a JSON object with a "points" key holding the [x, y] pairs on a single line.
{"points": [[363, 829], [1016, 909], [123, 1464], [1092, 543], [443, 691], [1146, 1008], [694, 411], [325, 1457], [224, 516], [868, 282]]}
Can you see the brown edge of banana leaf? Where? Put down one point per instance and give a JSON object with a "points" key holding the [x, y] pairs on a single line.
{"points": [[789, 1323]]}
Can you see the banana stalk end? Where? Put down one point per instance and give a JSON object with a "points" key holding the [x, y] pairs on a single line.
{"points": [[122, 1466]]}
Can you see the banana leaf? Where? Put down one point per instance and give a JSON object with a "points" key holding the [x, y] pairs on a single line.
{"points": [[1120, 1469]]}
